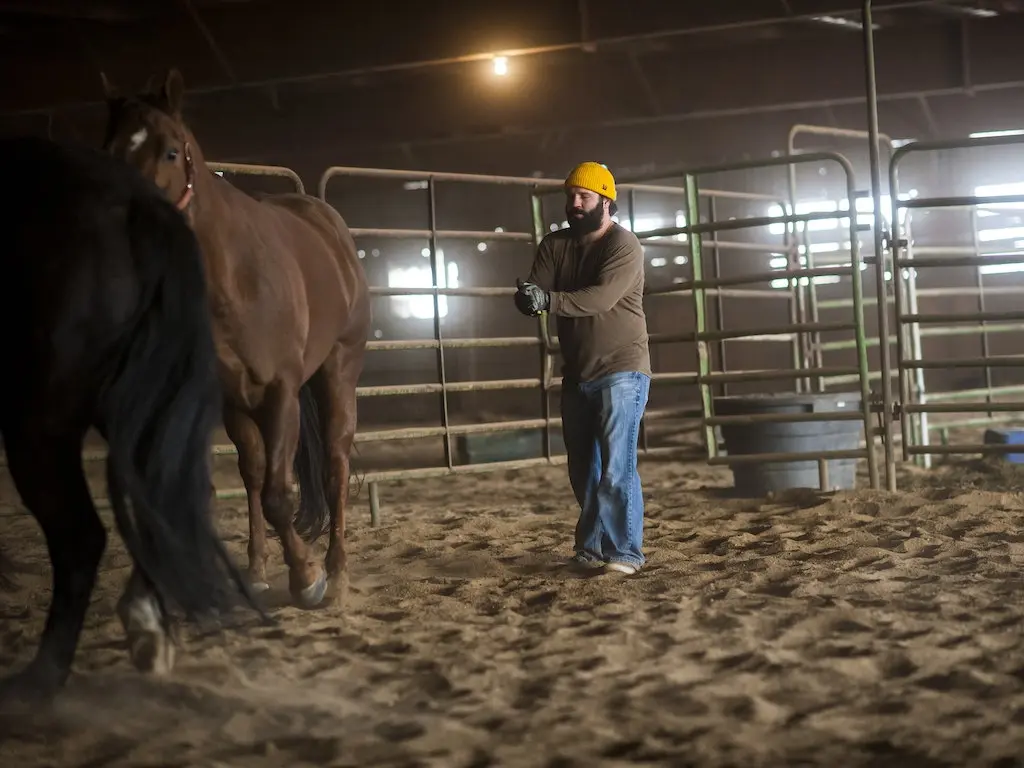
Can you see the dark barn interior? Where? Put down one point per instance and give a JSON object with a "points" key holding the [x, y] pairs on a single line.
{"points": [[651, 87], [478, 609]]}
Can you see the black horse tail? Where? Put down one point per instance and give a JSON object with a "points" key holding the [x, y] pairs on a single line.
{"points": [[158, 410], [313, 516]]}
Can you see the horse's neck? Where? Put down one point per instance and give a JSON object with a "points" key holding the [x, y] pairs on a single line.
{"points": [[216, 228]]}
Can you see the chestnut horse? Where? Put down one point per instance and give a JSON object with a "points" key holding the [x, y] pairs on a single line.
{"points": [[291, 310]]}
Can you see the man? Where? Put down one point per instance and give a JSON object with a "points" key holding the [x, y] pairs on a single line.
{"points": [[591, 278]]}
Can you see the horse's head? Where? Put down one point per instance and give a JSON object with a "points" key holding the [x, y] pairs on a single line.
{"points": [[148, 132]]}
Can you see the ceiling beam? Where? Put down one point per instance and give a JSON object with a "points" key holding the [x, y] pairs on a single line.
{"points": [[730, 95], [211, 42], [324, 137], [840, 8]]}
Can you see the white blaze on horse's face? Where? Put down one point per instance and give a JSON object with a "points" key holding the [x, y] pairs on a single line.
{"points": [[137, 139]]}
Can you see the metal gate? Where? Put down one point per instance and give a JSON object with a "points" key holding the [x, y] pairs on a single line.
{"points": [[797, 330], [915, 403], [816, 306]]}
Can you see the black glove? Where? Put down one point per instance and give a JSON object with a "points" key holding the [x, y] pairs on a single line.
{"points": [[531, 299]]}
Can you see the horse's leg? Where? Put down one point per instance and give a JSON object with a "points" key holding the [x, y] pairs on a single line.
{"points": [[306, 579], [252, 466], [47, 471], [336, 392], [145, 624]]}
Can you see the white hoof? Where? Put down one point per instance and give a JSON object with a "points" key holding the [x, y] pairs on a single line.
{"points": [[149, 647], [311, 596]]}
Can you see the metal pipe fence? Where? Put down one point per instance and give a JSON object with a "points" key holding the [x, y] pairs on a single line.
{"points": [[896, 250], [545, 382], [817, 348], [917, 404], [698, 290], [272, 171], [797, 328], [547, 344]]}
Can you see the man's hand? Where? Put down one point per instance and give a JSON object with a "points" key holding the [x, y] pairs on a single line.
{"points": [[531, 299]]}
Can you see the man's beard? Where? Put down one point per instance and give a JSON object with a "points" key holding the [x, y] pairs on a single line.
{"points": [[589, 222]]}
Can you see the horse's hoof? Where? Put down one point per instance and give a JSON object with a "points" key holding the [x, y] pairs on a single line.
{"points": [[311, 596], [151, 651], [337, 590], [149, 646], [259, 587]]}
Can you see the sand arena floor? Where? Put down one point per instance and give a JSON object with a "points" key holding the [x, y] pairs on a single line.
{"points": [[856, 628]]}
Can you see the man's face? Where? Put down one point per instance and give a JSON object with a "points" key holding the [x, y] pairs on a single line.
{"points": [[584, 210]]}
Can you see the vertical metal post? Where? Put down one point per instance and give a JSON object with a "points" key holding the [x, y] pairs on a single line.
{"points": [[700, 314], [537, 217], [900, 250], [653, 347], [985, 346], [920, 428], [719, 300], [797, 312], [863, 369], [374, 505], [809, 353], [880, 263], [811, 343], [434, 278], [823, 481], [913, 427]]}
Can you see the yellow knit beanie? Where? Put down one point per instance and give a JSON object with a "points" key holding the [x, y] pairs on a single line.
{"points": [[593, 176]]}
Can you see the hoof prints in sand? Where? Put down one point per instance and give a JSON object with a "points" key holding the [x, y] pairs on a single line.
{"points": [[856, 629]]}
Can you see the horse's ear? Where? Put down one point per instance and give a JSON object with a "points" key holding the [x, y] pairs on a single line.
{"points": [[110, 91], [173, 92]]}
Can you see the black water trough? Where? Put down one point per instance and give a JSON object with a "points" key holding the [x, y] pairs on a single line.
{"points": [[486, 448], [759, 479]]}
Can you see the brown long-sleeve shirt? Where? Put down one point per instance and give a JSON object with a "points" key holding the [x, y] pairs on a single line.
{"points": [[597, 300]]}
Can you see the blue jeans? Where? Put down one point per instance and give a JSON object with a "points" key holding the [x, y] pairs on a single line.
{"points": [[600, 426]]}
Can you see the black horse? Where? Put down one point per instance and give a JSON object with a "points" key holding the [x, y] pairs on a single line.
{"points": [[105, 323]]}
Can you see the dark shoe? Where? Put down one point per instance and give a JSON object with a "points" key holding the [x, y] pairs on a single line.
{"points": [[585, 562]]}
